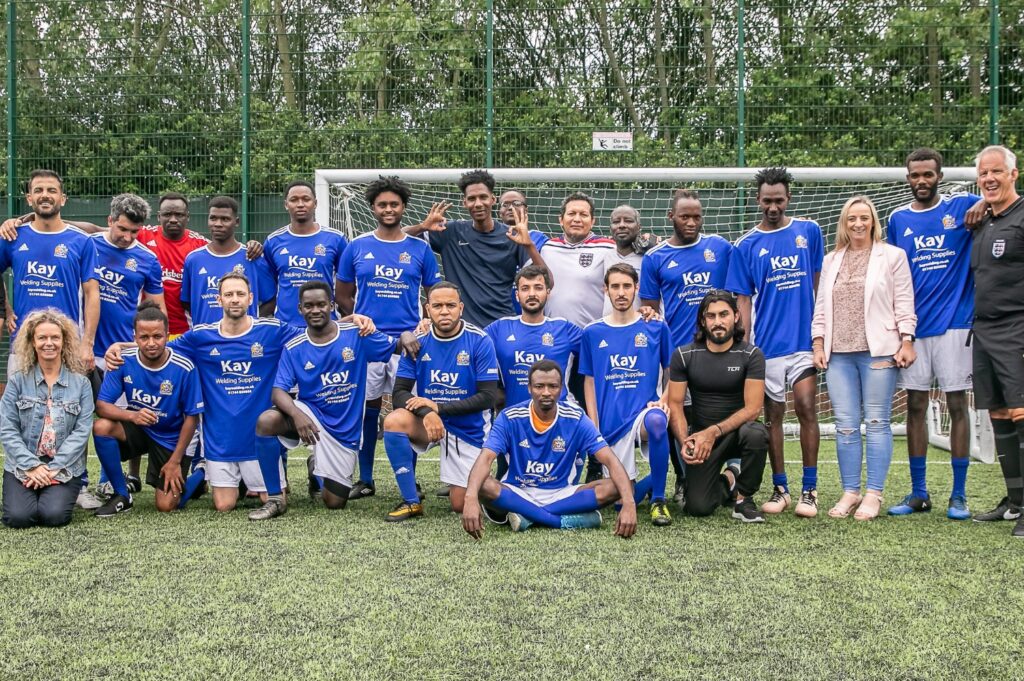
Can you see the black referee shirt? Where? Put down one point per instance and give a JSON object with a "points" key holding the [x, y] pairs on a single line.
{"points": [[997, 260]]}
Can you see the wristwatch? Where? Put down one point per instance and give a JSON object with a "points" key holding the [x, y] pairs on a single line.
{"points": [[909, 337]]}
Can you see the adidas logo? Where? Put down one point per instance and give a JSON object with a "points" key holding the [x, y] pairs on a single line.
{"points": [[369, 256], [511, 337], [764, 251], [202, 270], [671, 264], [524, 443], [602, 344], [284, 251], [908, 232], [128, 379], [309, 365], [425, 357], [401, 470], [215, 353], [24, 247]]}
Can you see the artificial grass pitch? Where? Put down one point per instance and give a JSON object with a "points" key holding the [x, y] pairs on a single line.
{"points": [[342, 594]]}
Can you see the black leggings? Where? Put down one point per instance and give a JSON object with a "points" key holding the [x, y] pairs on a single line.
{"points": [[707, 488]]}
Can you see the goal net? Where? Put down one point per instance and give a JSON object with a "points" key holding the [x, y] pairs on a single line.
{"points": [[730, 209]]}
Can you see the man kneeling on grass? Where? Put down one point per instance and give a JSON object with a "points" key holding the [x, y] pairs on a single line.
{"points": [[546, 443]]}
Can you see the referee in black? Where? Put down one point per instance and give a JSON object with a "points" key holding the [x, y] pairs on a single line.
{"points": [[997, 259], [725, 377]]}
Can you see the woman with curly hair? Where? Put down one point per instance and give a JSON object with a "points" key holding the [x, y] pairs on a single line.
{"points": [[45, 421]]}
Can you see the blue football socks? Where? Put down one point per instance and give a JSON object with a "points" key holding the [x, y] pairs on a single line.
{"points": [[401, 455], [918, 482], [656, 424], [959, 476], [810, 478], [268, 454], [109, 453], [371, 420]]}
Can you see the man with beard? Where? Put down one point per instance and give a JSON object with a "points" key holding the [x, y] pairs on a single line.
{"points": [[544, 443], [725, 379], [326, 366], [623, 358], [774, 272], [933, 231], [381, 275], [205, 266]]}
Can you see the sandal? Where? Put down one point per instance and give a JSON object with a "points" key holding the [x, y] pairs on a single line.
{"points": [[846, 505], [870, 505]]}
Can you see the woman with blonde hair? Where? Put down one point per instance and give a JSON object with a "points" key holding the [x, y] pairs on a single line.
{"points": [[45, 421], [863, 333]]}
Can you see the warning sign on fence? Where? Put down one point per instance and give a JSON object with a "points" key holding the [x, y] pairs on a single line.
{"points": [[613, 141]]}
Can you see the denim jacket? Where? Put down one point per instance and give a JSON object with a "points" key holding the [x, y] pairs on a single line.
{"points": [[23, 408]]}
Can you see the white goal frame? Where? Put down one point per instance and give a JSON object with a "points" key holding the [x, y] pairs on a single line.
{"points": [[982, 442]]}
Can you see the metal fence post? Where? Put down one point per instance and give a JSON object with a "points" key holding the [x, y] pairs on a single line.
{"points": [[741, 86], [490, 85], [246, 89], [12, 111], [993, 72]]}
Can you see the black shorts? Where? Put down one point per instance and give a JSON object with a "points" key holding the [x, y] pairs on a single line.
{"points": [[138, 442], [998, 355]]}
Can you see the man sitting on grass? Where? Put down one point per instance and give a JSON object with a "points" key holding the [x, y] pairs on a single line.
{"points": [[546, 443]]}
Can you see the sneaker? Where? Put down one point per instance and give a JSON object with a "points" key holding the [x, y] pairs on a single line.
{"points": [[807, 507], [441, 491], [116, 504], [404, 511], [87, 500], [494, 515], [134, 484], [958, 509], [778, 502], [1004, 511], [660, 517], [361, 490], [582, 521], [273, 507], [105, 490], [312, 485], [594, 472], [519, 523], [911, 504], [746, 511], [1018, 529], [679, 495]]}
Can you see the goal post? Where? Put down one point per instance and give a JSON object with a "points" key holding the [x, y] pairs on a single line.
{"points": [[730, 210]]}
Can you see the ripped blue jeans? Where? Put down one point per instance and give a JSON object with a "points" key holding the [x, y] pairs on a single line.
{"points": [[861, 388]]}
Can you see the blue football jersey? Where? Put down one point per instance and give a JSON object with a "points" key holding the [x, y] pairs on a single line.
{"points": [[293, 259], [200, 282], [123, 273], [518, 345], [938, 247], [331, 378], [448, 369], [237, 376], [680, 276], [549, 460], [388, 276], [626, 363], [48, 270], [171, 391], [777, 269]]}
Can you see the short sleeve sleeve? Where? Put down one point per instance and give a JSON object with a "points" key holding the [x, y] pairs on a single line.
{"points": [[88, 261], [485, 362], [739, 279], [154, 284], [378, 347], [817, 248], [407, 367], [346, 268], [285, 379], [186, 281], [677, 369], [591, 441], [430, 273], [665, 346], [575, 334], [498, 438], [755, 366], [586, 360], [650, 287], [112, 386], [193, 394]]}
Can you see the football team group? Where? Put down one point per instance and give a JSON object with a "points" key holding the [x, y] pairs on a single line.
{"points": [[536, 365]]}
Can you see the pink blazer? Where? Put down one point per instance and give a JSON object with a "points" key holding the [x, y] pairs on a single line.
{"points": [[888, 299]]}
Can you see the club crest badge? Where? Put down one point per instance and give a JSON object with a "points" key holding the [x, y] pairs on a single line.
{"points": [[347, 354], [948, 222], [586, 259], [558, 444], [640, 340], [547, 339], [998, 248], [404, 258], [238, 269], [166, 388], [61, 251], [257, 350], [801, 242], [131, 265], [462, 359], [319, 249], [709, 255]]}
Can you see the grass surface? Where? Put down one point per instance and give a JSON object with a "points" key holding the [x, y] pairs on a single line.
{"points": [[342, 594]]}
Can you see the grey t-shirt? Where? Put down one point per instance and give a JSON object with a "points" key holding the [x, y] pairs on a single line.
{"points": [[482, 264]]}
